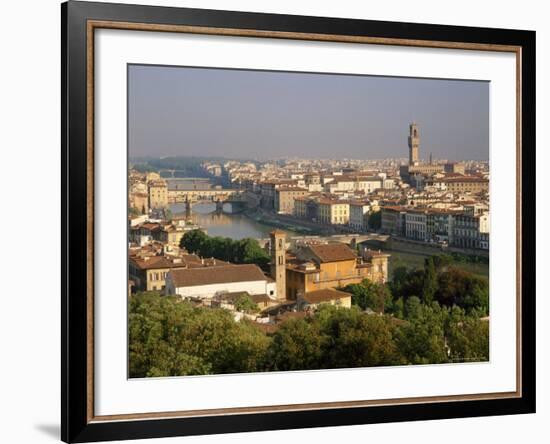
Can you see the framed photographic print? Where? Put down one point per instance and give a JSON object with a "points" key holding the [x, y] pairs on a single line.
{"points": [[275, 221]]}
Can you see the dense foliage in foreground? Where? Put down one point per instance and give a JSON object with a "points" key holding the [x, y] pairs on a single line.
{"points": [[170, 337]]}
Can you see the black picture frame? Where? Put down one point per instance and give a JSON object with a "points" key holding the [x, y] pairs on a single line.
{"points": [[76, 425]]}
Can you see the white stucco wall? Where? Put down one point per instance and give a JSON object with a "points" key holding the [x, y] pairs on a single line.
{"points": [[209, 290]]}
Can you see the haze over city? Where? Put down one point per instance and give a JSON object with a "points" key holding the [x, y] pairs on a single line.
{"points": [[181, 111], [305, 221]]}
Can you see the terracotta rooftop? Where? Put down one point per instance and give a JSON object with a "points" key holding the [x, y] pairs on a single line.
{"points": [[150, 226], [150, 258], [333, 252], [156, 262], [229, 273]]}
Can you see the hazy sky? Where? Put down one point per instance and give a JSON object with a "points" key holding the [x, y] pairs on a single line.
{"points": [[178, 111]]}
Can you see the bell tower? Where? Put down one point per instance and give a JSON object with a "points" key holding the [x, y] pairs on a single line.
{"points": [[278, 261], [414, 143]]}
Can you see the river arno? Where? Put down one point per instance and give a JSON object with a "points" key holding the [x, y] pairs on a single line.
{"points": [[226, 224], [239, 226]]}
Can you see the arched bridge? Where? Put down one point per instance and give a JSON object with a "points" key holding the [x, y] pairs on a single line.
{"points": [[354, 238], [210, 195]]}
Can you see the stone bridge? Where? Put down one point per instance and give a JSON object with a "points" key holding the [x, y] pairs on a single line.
{"points": [[344, 238], [209, 195]]}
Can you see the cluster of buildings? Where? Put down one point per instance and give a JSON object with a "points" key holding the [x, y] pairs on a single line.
{"points": [[300, 278], [464, 226], [430, 202], [143, 230], [147, 191], [435, 201], [449, 207]]}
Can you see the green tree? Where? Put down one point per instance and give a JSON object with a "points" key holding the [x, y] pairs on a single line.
{"points": [[245, 304], [356, 339], [398, 308], [444, 284], [250, 252], [421, 339], [296, 345], [429, 285], [442, 261], [466, 290], [193, 240], [369, 294], [169, 337], [406, 283], [175, 364], [413, 308], [244, 251], [468, 337]]}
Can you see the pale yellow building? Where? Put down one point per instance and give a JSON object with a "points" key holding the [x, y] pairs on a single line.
{"points": [[333, 212], [158, 193]]}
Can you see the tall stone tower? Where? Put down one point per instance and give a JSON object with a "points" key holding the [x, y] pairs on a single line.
{"points": [[278, 261], [414, 144]]}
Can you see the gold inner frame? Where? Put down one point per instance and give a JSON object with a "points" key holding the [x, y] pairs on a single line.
{"points": [[97, 24]]}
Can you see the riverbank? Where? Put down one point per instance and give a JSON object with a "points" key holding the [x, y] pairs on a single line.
{"points": [[276, 221], [416, 260], [290, 223]]}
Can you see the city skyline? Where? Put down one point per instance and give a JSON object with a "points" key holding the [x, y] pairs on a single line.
{"points": [[310, 115]]}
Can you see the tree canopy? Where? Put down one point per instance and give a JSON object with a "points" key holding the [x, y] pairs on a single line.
{"points": [[441, 282], [245, 304], [369, 294], [170, 337], [424, 316], [243, 251]]}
